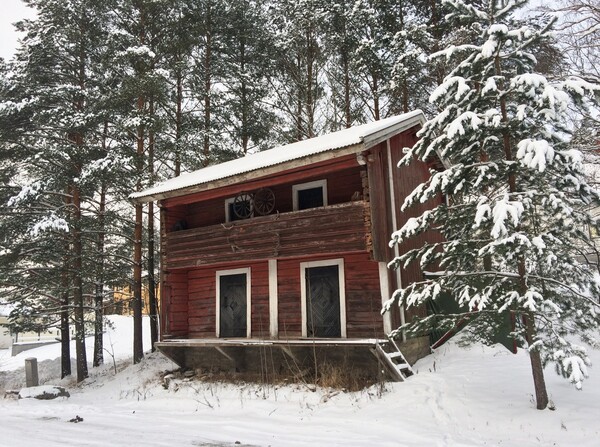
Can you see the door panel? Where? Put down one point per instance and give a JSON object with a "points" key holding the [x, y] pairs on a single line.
{"points": [[323, 301], [233, 305]]}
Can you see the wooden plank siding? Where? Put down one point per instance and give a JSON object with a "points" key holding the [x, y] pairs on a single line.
{"points": [[363, 299], [341, 186], [379, 198], [300, 174], [193, 298], [405, 181], [175, 291], [332, 229], [202, 299]]}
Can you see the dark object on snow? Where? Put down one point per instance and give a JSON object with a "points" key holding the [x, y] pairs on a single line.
{"points": [[31, 372], [76, 419], [46, 392]]}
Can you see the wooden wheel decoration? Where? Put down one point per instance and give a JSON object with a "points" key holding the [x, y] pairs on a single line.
{"points": [[242, 205], [264, 201]]}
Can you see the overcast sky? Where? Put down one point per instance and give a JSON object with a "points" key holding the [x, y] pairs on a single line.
{"points": [[10, 12]]}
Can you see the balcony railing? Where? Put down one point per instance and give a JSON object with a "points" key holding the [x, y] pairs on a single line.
{"points": [[332, 229]]}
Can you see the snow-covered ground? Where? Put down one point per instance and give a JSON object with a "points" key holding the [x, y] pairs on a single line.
{"points": [[460, 397]]}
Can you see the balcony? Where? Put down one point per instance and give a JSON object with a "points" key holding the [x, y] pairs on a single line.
{"points": [[337, 228]]}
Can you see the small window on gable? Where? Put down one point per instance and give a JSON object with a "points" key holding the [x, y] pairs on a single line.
{"points": [[310, 195]]}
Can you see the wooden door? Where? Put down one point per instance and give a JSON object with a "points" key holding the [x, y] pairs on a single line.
{"points": [[233, 304], [323, 302]]}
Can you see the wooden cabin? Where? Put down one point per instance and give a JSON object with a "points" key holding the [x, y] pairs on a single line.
{"points": [[279, 259]]}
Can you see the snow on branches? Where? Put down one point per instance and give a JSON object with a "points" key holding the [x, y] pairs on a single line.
{"points": [[514, 223]]}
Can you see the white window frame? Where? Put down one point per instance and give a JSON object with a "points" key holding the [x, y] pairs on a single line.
{"points": [[342, 280], [219, 273], [228, 202], [308, 185]]}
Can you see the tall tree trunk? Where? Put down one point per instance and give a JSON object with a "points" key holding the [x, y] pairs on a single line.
{"points": [[152, 301], [65, 330], [537, 369], [65, 336], [207, 88], [346, 68], [310, 66], [99, 293], [82, 371], [178, 119], [375, 91], [138, 348], [299, 103], [244, 96]]}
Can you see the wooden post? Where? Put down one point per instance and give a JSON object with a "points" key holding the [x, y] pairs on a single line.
{"points": [[31, 372]]}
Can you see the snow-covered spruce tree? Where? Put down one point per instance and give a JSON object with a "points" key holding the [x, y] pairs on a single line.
{"points": [[515, 214]]}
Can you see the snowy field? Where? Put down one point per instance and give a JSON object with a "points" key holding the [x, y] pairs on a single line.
{"points": [[460, 397]]}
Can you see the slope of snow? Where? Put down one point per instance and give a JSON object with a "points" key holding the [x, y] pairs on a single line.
{"points": [[459, 397]]}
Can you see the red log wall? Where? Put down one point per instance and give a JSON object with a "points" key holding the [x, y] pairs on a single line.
{"points": [[196, 318], [202, 299], [363, 297], [405, 182]]}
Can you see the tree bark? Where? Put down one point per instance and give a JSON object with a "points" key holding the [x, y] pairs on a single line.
{"points": [[138, 349], [310, 65], [346, 68], [537, 369], [65, 335], [375, 91], [82, 371], [152, 302], [207, 88], [178, 120], [99, 295]]}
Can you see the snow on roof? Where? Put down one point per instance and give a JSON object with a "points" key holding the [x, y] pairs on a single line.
{"points": [[278, 155]]}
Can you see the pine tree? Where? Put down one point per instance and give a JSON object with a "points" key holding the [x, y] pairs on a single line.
{"points": [[299, 83], [340, 41], [246, 117], [64, 240], [56, 82], [516, 211]]}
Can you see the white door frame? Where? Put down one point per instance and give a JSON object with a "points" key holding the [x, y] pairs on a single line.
{"points": [[220, 273], [341, 277]]}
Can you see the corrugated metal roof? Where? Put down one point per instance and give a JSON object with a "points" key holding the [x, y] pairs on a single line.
{"points": [[278, 155]]}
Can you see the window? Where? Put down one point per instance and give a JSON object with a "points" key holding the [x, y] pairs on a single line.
{"points": [[309, 195]]}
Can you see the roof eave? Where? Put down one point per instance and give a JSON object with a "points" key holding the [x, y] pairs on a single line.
{"points": [[250, 175], [368, 141], [384, 134]]}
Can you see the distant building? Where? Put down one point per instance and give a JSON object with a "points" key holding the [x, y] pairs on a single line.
{"points": [[122, 300], [5, 335]]}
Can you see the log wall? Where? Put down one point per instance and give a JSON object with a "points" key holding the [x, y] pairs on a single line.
{"points": [[193, 298], [404, 183], [333, 229], [175, 290], [341, 185], [363, 298], [202, 299]]}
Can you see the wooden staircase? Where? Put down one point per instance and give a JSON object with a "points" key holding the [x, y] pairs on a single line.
{"points": [[392, 358]]}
